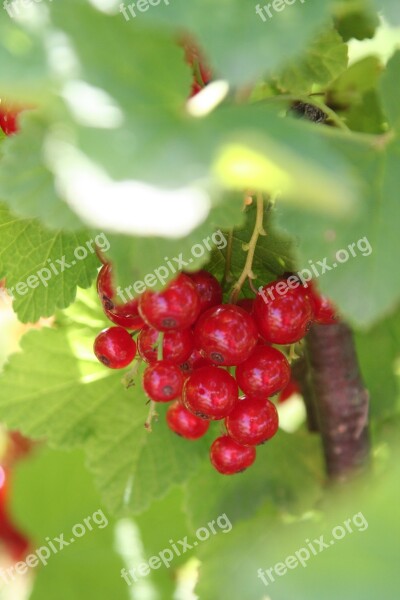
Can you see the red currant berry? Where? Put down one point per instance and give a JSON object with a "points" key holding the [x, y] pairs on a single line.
{"points": [[228, 457], [8, 121], [226, 334], [282, 319], [291, 389], [195, 361], [265, 373], [177, 345], [247, 304], [185, 423], [323, 309], [115, 348], [105, 288], [208, 288], [195, 89], [210, 393], [176, 307], [252, 421], [12, 539], [162, 381], [126, 315]]}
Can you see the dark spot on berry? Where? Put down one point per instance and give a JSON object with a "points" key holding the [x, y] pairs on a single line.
{"points": [[167, 390], [107, 302], [104, 360], [169, 323], [185, 367], [216, 357], [201, 415]]}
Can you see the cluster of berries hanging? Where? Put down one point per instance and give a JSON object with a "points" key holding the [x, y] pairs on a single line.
{"points": [[201, 353]]}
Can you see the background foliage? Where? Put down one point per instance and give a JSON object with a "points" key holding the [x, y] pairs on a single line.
{"points": [[108, 98]]}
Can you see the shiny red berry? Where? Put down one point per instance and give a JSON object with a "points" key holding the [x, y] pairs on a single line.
{"points": [[210, 393], [283, 314], [208, 288], [252, 421], [247, 304], [265, 373], [115, 348], [177, 345], [185, 423], [122, 314], [323, 309], [195, 361], [228, 457], [226, 334], [176, 307], [162, 381]]}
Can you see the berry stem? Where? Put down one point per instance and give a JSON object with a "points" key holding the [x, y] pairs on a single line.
{"points": [[152, 415], [128, 379], [250, 248], [341, 400], [228, 260], [160, 342]]}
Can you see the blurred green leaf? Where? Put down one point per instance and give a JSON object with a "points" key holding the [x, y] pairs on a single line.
{"points": [[52, 492], [365, 282], [324, 60], [276, 479], [390, 87], [360, 565]]}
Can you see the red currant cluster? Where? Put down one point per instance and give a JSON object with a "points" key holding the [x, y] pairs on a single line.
{"points": [[192, 341]]}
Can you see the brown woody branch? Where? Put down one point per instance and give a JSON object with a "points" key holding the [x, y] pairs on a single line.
{"points": [[341, 400]]}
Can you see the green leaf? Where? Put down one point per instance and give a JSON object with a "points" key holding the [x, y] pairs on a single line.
{"points": [[55, 389], [325, 59], [274, 254], [23, 58], [26, 183], [390, 88], [357, 564], [378, 350], [139, 258], [275, 479], [355, 96], [364, 283], [43, 268], [240, 44], [390, 9], [356, 19], [53, 492]]}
